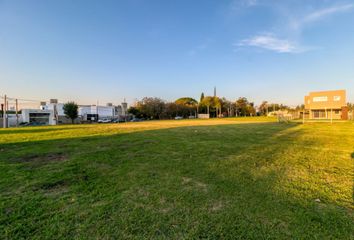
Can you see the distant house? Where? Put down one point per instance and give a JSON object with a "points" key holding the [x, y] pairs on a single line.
{"points": [[37, 116], [326, 105], [52, 113]]}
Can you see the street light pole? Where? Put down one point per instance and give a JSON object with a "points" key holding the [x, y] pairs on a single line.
{"points": [[5, 113], [16, 113]]}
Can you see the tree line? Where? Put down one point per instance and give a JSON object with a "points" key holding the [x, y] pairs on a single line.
{"points": [[157, 108]]}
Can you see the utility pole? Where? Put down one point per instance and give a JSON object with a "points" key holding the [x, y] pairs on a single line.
{"points": [[16, 112], [236, 109], [55, 114], [5, 113], [303, 116], [97, 111]]}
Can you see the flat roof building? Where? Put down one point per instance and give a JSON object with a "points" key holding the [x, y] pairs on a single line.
{"points": [[327, 105]]}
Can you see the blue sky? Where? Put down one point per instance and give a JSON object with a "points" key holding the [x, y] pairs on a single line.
{"points": [[110, 50]]}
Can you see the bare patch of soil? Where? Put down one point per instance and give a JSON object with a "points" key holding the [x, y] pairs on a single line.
{"points": [[41, 159]]}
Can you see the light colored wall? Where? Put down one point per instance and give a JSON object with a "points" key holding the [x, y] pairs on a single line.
{"points": [[102, 111], [330, 114], [331, 103], [26, 112], [203, 116], [60, 109]]}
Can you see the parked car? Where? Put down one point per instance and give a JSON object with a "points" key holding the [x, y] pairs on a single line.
{"points": [[104, 120], [136, 120], [32, 124], [178, 118], [118, 121]]}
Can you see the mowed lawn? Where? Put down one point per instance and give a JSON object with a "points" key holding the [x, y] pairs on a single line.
{"points": [[246, 178]]}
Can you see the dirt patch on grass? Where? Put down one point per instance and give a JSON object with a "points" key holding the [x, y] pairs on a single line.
{"points": [[54, 188], [37, 160], [193, 184], [217, 206], [61, 186], [186, 180], [54, 185]]}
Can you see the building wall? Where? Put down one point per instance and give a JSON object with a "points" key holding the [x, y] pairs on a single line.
{"points": [[59, 107], [25, 114], [326, 114], [203, 116], [327, 105], [102, 111], [11, 120], [326, 100], [345, 111]]}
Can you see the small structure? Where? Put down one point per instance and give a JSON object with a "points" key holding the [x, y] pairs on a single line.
{"points": [[94, 113], [38, 116], [326, 105], [203, 116]]}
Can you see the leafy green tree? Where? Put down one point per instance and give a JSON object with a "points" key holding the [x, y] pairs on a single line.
{"points": [[263, 108], [151, 107], [171, 110], [187, 104], [300, 107], [201, 97], [71, 110], [244, 107], [135, 111], [207, 102], [217, 104], [187, 101], [226, 106]]}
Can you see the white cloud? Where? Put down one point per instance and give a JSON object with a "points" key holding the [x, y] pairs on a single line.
{"points": [[270, 42], [316, 15], [290, 44], [320, 14]]}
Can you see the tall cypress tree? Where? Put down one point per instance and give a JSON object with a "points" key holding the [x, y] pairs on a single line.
{"points": [[201, 97]]}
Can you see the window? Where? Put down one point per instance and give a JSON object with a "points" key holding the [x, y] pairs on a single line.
{"points": [[320, 99], [336, 112], [319, 114], [39, 118], [336, 98]]}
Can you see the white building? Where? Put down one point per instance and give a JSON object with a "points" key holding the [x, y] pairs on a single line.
{"points": [[52, 113], [38, 116], [58, 107], [94, 113]]}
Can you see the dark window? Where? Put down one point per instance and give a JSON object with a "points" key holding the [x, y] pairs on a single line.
{"points": [[40, 118], [92, 117]]}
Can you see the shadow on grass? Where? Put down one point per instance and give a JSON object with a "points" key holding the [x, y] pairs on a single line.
{"points": [[186, 182]]}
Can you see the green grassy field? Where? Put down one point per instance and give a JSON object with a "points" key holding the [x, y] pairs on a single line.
{"points": [[247, 178]]}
